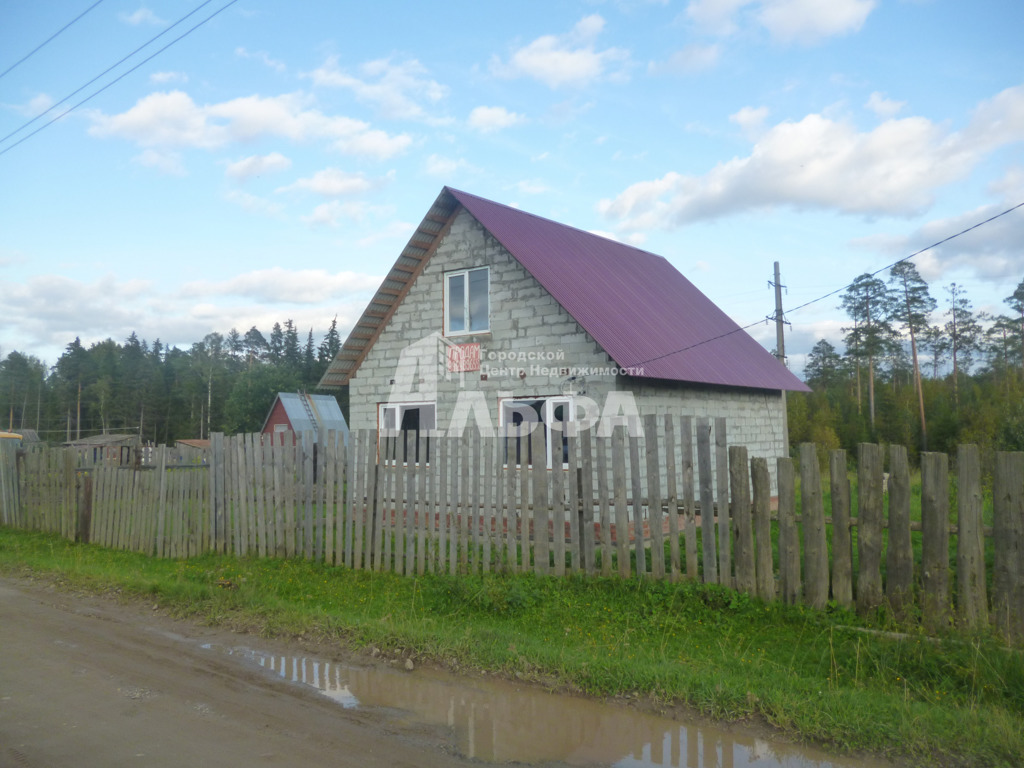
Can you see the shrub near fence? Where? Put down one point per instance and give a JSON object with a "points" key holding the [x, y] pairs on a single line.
{"points": [[465, 509]]}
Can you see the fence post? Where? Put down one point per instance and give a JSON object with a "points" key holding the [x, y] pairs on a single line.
{"points": [[899, 556], [722, 496], [707, 501], [739, 483], [672, 491], [765, 568], [789, 541], [812, 513], [842, 548], [655, 518], [934, 541], [869, 527], [1008, 530], [972, 598], [217, 512], [689, 519]]}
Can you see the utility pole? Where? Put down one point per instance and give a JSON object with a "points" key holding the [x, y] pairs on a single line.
{"points": [[780, 348]]}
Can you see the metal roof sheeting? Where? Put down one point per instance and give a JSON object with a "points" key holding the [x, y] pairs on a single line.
{"points": [[324, 408], [642, 311]]}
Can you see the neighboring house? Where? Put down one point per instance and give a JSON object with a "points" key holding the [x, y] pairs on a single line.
{"points": [[106, 449], [494, 314], [299, 412]]}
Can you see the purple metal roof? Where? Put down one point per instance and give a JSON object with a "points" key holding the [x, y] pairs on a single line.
{"points": [[636, 305]]}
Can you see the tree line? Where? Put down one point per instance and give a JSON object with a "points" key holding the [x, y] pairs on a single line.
{"points": [[917, 371], [224, 383]]}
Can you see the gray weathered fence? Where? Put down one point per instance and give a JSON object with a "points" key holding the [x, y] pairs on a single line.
{"points": [[467, 507]]}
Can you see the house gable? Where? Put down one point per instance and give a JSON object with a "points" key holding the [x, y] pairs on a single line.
{"points": [[530, 343]]}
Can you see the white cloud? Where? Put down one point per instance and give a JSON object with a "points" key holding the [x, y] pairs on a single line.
{"points": [[488, 119], [257, 165], [884, 107], [532, 187], [331, 214], [141, 16], [303, 286], [750, 119], [253, 203], [172, 119], [398, 90], [819, 162], [809, 21], [566, 60], [161, 78], [787, 21], [261, 56], [334, 182], [438, 165], [35, 106], [400, 230], [692, 58], [165, 162]]}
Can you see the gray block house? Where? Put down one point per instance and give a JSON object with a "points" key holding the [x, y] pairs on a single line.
{"points": [[492, 315]]}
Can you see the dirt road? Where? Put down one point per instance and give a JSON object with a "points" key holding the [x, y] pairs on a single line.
{"points": [[86, 681]]}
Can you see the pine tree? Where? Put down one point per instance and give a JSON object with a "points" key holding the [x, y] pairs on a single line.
{"points": [[911, 306]]}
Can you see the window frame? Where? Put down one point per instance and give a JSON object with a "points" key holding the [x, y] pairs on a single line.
{"points": [[550, 403], [466, 296], [402, 436]]}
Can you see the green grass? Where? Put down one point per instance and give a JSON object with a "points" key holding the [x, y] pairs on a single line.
{"points": [[817, 676]]}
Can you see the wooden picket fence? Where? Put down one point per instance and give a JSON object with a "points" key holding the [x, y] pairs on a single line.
{"points": [[626, 505]]}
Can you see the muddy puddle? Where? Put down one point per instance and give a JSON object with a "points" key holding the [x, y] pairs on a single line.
{"points": [[498, 721]]}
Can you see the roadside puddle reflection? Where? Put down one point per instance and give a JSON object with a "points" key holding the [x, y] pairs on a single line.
{"points": [[499, 721]]}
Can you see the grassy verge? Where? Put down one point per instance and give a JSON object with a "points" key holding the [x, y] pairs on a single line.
{"points": [[816, 676]]}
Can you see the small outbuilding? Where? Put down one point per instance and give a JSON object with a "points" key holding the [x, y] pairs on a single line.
{"points": [[302, 412]]}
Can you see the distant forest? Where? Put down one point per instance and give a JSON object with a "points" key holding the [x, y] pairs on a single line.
{"points": [[224, 383], [916, 370]]}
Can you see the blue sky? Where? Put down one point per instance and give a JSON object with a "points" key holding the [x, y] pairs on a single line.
{"points": [[273, 163]]}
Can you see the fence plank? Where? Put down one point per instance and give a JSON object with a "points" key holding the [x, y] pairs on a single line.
{"points": [[842, 547], [972, 600], [557, 488], [654, 496], [672, 494], [761, 482], [899, 555], [724, 524], [525, 514], [443, 495], [604, 507], [739, 491], [637, 493], [406, 500], [586, 517], [422, 507], [707, 502], [789, 540], [869, 527], [812, 513], [621, 514], [934, 535], [1008, 530], [575, 480], [512, 505], [689, 497], [541, 516]]}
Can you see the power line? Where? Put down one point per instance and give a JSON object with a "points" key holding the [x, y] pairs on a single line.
{"points": [[837, 290], [51, 37], [101, 74], [116, 79]]}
